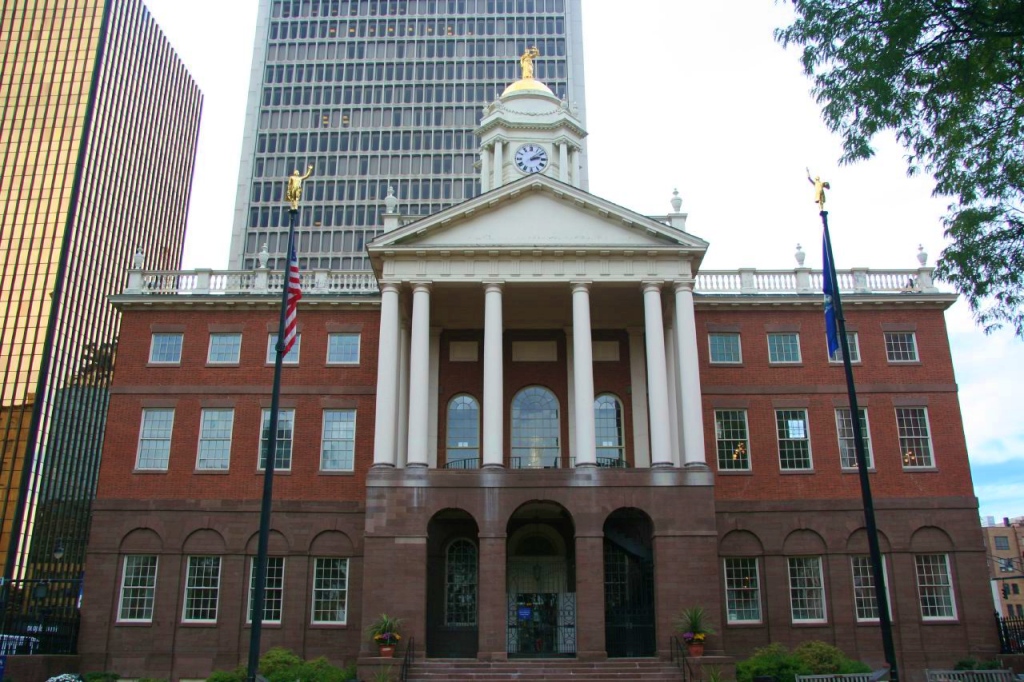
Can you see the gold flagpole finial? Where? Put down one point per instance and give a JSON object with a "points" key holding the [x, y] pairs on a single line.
{"points": [[819, 189], [294, 192]]}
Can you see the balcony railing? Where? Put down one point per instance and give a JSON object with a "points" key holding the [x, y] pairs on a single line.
{"points": [[524, 463]]}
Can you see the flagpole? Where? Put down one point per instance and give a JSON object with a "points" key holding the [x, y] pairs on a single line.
{"points": [[259, 589], [878, 572]]}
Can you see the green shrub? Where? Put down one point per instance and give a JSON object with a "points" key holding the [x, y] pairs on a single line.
{"points": [[236, 675], [810, 658], [278, 660], [825, 659], [975, 664], [282, 665]]}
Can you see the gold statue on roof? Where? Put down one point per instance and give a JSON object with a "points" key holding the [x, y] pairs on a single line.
{"points": [[526, 61], [294, 192], [819, 189]]}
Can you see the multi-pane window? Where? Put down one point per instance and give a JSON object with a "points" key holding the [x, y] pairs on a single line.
{"points": [[847, 447], [901, 346], [732, 440], [330, 590], [608, 430], [290, 358], [155, 438], [460, 583], [1005, 565], [202, 589], [806, 589], [343, 349], [784, 347], [742, 591], [224, 348], [338, 446], [285, 429], [865, 601], [853, 342], [1002, 542], [464, 432], [794, 439], [138, 589], [535, 429], [215, 438], [934, 587], [725, 348], [915, 439], [273, 596], [165, 349]]}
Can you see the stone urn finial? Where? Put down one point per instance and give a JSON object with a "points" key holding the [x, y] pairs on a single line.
{"points": [[800, 256], [139, 259], [922, 255], [391, 201], [677, 201], [264, 256]]}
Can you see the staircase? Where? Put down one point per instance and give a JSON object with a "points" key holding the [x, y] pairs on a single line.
{"points": [[548, 670]]}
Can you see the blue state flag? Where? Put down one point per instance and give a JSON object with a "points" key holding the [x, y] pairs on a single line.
{"points": [[831, 330]]}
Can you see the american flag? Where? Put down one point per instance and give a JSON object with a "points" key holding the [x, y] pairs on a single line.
{"points": [[292, 304]]}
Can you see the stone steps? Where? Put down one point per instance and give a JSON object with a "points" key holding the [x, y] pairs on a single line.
{"points": [[546, 670]]}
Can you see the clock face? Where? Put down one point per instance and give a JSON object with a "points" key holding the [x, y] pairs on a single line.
{"points": [[531, 158]]}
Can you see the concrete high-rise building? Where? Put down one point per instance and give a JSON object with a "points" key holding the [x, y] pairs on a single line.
{"points": [[382, 93], [97, 145]]}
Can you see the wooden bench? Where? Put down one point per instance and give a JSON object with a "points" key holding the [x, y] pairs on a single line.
{"points": [[970, 676], [851, 677]]}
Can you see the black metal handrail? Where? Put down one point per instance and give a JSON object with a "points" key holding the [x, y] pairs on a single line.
{"points": [[605, 463], [466, 463], [410, 656], [1011, 635], [678, 654], [517, 463]]}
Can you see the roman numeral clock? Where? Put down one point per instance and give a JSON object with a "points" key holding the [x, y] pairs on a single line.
{"points": [[531, 158]]}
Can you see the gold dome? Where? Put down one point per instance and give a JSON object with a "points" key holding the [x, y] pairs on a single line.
{"points": [[528, 85]]}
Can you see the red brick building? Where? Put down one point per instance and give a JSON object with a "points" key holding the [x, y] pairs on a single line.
{"points": [[536, 429]]}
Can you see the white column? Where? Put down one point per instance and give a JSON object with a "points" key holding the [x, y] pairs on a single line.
{"points": [[570, 402], [402, 457], [689, 376], [435, 380], [657, 379], [638, 396], [583, 375], [499, 161], [563, 162], [485, 169], [387, 377], [574, 170], [494, 399], [674, 423], [419, 375]]}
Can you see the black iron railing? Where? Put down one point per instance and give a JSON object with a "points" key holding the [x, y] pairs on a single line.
{"points": [[605, 463], [407, 660], [467, 463], [678, 654], [543, 463], [1011, 634], [39, 616]]}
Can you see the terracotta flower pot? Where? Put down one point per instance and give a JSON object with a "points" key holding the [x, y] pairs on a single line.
{"points": [[387, 650], [695, 649]]}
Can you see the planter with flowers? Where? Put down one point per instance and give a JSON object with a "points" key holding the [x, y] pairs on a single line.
{"points": [[693, 626], [385, 634]]}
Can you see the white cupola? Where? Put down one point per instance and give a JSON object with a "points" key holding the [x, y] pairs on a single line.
{"points": [[529, 130]]}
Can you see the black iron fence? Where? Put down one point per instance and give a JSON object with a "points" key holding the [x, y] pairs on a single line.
{"points": [[1011, 634], [39, 616]]}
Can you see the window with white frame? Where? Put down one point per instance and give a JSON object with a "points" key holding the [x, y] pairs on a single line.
{"points": [[202, 589], [915, 437], [1005, 565], [732, 440], [290, 358], [608, 430], [273, 596], [794, 440], [901, 346], [806, 590], [865, 601], [460, 583], [934, 587], [138, 589], [783, 347], [725, 348], [338, 445], [742, 590], [155, 438], [165, 349], [847, 446], [285, 431], [343, 348], [854, 343], [225, 348], [330, 590], [1002, 542], [463, 434], [215, 439]]}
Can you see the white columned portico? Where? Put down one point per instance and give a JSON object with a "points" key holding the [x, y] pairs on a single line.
{"points": [[689, 375], [384, 434], [401, 445], [657, 377], [583, 375], [419, 375], [493, 436]]}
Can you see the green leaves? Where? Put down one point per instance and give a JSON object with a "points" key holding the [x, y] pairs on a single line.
{"points": [[947, 78]]}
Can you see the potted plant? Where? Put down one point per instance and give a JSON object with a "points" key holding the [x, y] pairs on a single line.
{"points": [[693, 625], [385, 633]]}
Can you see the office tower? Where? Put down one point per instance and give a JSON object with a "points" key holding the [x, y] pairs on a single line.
{"points": [[379, 93], [98, 136]]}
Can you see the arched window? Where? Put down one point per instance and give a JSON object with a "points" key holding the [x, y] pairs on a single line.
{"points": [[609, 431], [460, 583], [535, 429], [463, 432]]}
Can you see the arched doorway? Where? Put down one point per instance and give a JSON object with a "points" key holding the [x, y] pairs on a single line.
{"points": [[541, 575], [629, 584], [453, 560]]}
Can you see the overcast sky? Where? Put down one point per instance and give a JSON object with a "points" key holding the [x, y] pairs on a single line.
{"points": [[694, 95]]}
